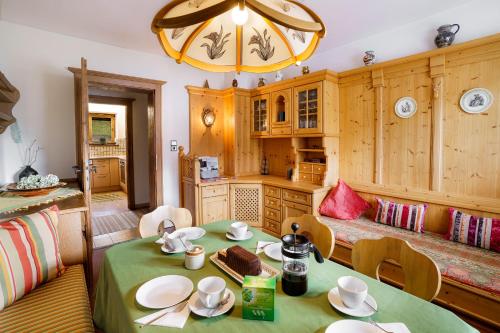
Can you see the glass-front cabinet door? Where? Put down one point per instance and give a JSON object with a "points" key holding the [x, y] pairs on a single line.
{"points": [[308, 109], [281, 105], [260, 115]]}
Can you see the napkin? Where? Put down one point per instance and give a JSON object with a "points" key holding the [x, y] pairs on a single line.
{"points": [[395, 327], [174, 317], [260, 244]]}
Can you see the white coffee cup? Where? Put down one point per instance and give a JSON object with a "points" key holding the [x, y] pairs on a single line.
{"points": [[352, 290], [175, 241], [239, 229], [211, 291]]}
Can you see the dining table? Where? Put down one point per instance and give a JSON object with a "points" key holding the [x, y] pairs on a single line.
{"points": [[127, 266]]}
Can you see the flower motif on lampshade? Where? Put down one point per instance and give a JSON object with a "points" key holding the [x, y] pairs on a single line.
{"points": [[238, 35]]}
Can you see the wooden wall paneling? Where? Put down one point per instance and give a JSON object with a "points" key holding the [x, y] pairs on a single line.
{"points": [[472, 141], [331, 117], [230, 148], [407, 141], [331, 145], [379, 84], [437, 67], [357, 128], [279, 154]]}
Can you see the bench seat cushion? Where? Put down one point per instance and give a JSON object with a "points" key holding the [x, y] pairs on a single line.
{"points": [[466, 264], [61, 305]]}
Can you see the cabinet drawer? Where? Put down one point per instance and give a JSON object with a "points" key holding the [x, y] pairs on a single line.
{"points": [[272, 226], [100, 162], [272, 202], [295, 196], [305, 177], [213, 191], [317, 179], [305, 167], [100, 180], [281, 131], [101, 169], [318, 169], [271, 191], [273, 214]]}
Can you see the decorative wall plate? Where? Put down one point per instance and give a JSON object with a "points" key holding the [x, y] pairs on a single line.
{"points": [[476, 100], [405, 107]]}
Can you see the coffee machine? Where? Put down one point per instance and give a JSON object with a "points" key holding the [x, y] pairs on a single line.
{"points": [[209, 167]]}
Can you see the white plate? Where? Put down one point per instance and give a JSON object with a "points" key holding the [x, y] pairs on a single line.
{"points": [[405, 107], [362, 311], [197, 307], [476, 100], [164, 291], [181, 250], [273, 251], [352, 326], [248, 235], [191, 233]]}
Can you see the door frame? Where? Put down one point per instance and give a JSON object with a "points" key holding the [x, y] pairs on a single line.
{"points": [[153, 88], [129, 129]]}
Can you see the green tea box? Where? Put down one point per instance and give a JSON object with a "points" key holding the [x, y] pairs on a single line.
{"points": [[258, 298]]}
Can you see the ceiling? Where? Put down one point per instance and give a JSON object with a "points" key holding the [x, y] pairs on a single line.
{"points": [[126, 23]]}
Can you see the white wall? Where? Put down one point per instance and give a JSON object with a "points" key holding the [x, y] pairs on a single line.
{"points": [[476, 18], [35, 61]]}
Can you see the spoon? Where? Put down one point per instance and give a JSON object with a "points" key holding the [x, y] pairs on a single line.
{"points": [[223, 302]]}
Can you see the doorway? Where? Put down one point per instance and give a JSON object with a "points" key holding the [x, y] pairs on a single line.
{"points": [[108, 107]]}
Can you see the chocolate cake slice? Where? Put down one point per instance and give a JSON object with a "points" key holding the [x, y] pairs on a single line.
{"points": [[241, 261]]}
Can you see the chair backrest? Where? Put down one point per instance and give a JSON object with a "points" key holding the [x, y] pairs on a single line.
{"points": [[422, 276], [317, 232], [149, 223]]}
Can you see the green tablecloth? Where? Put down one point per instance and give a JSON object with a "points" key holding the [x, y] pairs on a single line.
{"points": [[126, 266]]}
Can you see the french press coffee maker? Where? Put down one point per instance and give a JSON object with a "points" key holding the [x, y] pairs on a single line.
{"points": [[295, 249]]}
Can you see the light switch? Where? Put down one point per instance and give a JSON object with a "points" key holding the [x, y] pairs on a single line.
{"points": [[173, 145]]}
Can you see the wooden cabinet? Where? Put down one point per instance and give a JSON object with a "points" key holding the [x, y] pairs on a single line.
{"points": [[293, 209], [246, 203], [214, 209], [312, 172], [260, 116], [105, 175], [281, 117], [308, 110]]}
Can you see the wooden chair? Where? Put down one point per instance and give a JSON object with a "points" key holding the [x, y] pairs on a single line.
{"points": [[318, 233], [422, 276], [179, 217]]}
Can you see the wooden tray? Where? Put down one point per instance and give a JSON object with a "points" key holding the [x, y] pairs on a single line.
{"points": [[267, 270], [31, 192]]}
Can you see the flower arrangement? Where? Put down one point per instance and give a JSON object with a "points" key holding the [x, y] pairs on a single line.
{"points": [[36, 181]]}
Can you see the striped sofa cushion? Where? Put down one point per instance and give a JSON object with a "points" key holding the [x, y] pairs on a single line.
{"points": [[59, 306], [474, 230], [29, 254], [410, 217]]}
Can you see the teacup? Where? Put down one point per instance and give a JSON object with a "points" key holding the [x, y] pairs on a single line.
{"points": [[238, 229], [352, 290], [175, 241], [211, 291]]}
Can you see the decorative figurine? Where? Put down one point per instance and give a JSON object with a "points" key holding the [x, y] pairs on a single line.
{"points": [[446, 36], [206, 85], [305, 70], [261, 82], [235, 83], [369, 58]]}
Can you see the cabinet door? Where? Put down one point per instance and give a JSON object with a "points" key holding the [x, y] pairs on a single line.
{"points": [[114, 172], [246, 203], [214, 209], [308, 111], [260, 116], [292, 209], [281, 105]]}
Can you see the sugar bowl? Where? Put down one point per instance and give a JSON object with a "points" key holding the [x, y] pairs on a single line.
{"points": [[195, 257]]}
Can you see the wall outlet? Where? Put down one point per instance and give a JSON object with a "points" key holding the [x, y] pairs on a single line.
{"points": [[173, 145]]}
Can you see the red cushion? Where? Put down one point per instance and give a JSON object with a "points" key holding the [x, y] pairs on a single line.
{"points": [[343, 203]]}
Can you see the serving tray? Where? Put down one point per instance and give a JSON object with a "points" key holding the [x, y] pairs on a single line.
{"points": [[33, 191], [267, 270]]}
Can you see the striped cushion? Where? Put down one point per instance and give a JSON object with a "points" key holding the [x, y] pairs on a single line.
{"points": [[59, 306], [29, 254], [474, 230], [410, 217]]}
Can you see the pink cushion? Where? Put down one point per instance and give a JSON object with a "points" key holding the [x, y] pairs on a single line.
{"points": [[343, 203], [474, 230], [410, 217]]}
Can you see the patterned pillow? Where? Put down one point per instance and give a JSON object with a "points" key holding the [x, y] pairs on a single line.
{"points": [[404, 216], [474, 230], [29, 254]]}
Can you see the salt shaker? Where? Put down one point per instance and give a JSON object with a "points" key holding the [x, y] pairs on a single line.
{"points": [[195, 257]]}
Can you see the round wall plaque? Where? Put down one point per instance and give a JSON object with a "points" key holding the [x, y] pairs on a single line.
{"points": [[405, 107], [476, 100]]}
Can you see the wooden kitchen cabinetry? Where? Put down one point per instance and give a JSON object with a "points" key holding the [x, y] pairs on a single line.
{"points": [[246, 203], [260, 116], [281, 115], [214, 203], [105, 175]]}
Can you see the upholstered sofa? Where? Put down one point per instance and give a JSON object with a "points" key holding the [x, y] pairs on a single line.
{"points": [[61, 305]]}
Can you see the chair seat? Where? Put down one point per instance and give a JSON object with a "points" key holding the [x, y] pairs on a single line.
{"points": [[463, 263], [62, 305]]}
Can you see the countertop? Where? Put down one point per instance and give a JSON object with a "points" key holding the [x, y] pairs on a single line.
{"points": [[267, 180], [121, 157]]}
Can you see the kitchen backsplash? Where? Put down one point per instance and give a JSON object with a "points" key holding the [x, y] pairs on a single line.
{"points": [[119, 149]]}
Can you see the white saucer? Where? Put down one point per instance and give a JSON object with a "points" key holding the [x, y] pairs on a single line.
{"points": [[191, 233], [357, 326], [167, 251], [164, 291], [197, 307], [363, 310], [248, 235], [273, 251]]}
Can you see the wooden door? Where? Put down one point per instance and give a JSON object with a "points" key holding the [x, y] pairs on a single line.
{"points": [[260, 116], [308, 109], [214, 209], [281, 106], [246, 203]]}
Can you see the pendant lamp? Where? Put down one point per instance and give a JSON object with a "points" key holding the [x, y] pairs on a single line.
{"points": [[255, 36]]}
